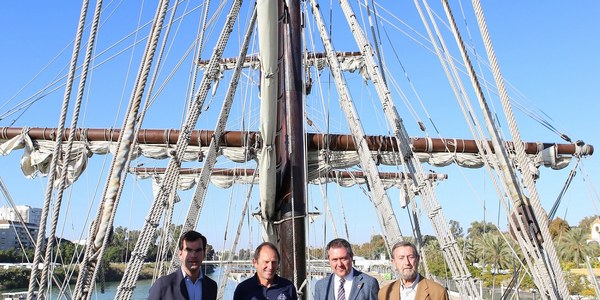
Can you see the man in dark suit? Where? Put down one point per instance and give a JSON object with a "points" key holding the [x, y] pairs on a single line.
{"points": [[187, 282], [411, 284], [346, 283]]}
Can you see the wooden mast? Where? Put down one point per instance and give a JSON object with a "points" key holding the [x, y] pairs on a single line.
{"points": [[290, 195]]}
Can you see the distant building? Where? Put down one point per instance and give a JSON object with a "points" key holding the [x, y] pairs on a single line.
{"points": [[595, 231], [15, 231], [29, 214], [13, 234]]}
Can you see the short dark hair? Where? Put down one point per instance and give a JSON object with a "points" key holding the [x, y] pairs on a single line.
{"points": [[340, 243], [268, 245], [192, 236], [405, 244]]}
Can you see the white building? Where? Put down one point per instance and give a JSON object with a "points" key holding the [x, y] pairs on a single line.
{"points": [[595, 231], [29, 214], [15, 231]]}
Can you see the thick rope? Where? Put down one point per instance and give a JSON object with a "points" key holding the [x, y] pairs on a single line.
{"points": [[166, 242], [503, 162], [200, 46], [380, 198], [236, 240], [56, 154], [159, 59], [193, 214], [477, 131], [99, 236], [149, 47], [410, 163], [67, 153], [542, 218], [125, 289], [465, 288]]}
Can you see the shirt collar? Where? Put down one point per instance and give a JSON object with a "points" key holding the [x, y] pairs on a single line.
{"points": [[348, 277], [275, 280], [413, 285], [185, 275]]}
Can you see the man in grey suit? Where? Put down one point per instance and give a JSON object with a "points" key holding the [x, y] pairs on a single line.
{"points": [[346, 283]]}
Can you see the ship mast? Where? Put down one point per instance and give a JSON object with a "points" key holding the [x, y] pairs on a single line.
{"points": [[292, 176]]}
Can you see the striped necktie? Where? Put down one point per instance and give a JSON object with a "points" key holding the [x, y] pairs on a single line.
{"points": [[341, 293]]}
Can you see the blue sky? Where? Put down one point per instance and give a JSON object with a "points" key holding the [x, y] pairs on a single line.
{"points": [[547, 52]]}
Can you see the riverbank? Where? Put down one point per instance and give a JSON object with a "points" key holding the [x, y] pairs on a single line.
{"points": [[18, 278], [110, 288]]}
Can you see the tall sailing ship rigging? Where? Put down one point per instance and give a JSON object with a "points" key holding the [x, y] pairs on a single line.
{"points": [[288, 98]]}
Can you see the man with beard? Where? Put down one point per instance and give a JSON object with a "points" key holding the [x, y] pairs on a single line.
{"points": [[346, 283], [188, 282], [265, 284], [411, 284]]}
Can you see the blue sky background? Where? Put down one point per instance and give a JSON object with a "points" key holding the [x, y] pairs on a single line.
{"points": [[548, 52]]}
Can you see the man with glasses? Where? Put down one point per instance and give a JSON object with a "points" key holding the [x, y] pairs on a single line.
{"points": [[187, 282], [411, 285]]}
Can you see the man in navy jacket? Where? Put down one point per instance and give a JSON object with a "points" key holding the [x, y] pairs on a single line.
{"points": [[187, 282]]}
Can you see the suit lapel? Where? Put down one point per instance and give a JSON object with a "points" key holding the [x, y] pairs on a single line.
{"points": [[182, 286], [331, 288], [395, 290], [422, 289]]}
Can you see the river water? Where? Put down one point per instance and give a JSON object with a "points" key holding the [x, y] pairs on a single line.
{"points": [[141, 289]]}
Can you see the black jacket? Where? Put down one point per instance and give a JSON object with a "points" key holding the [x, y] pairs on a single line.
{"points": [[172, 286]]}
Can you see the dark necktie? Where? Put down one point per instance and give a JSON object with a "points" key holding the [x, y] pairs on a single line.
{"points": [[341, 292]]}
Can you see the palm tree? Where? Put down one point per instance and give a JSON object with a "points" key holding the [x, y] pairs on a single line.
{"points": [[573, 246], [468, 250], [498, 251]]}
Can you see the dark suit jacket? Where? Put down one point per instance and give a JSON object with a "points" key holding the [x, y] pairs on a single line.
{"points": [[364, 287], [426, 290], [172, 286]]}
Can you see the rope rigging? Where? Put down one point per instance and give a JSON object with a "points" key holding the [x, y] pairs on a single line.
{"points": [[380, 198], [558, 200], [406, 159], [99, 229], [171, 175], [193, 212], [225, 275], [412, 165], [538, 264], [34, 276]]}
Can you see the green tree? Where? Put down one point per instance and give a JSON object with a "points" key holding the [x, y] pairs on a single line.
{"points": [[69, 252], [432, 253], [499, 252], [13, 278], [455, 229], [558, 226], [372, 249], [573, 246], [467, 247], [586, 223], [479, 228], [316, 253]]}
